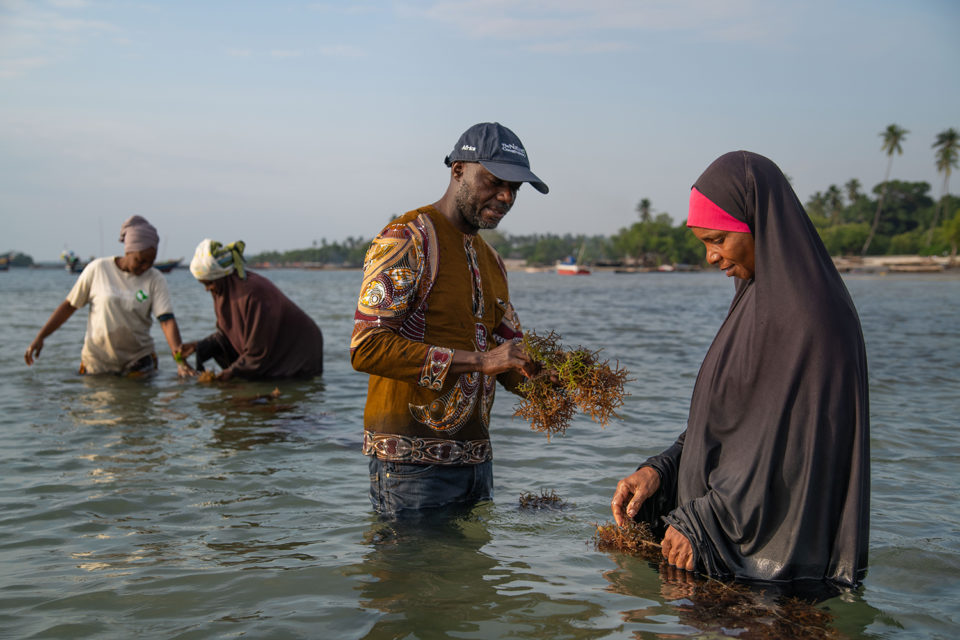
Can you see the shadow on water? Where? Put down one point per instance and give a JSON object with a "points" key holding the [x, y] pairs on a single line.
{"points": [[249, 415], [440, 576], [688, 604], [426, 574]]}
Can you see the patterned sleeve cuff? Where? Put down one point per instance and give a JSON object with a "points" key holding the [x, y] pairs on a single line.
{"points": [[435, 368]]}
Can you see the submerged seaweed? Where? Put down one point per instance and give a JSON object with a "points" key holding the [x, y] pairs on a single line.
{"points": [[731, 608], [570, 379], [543, 500], [635, 538]]}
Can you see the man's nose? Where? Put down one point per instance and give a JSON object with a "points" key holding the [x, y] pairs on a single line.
{"points": [[507, 195]]}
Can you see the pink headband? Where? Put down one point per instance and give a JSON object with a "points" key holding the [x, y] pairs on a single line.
{"points": [[707, 215]]}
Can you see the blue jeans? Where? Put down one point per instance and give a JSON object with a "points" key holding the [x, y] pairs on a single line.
{"points": [[396, 487]]}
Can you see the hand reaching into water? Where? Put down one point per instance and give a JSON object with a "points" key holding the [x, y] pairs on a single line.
{"points": [[677, 549], [33, 351], [632, 492], [188, 349]]}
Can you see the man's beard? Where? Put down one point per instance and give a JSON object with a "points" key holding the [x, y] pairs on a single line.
{"points": [[470, 210]]}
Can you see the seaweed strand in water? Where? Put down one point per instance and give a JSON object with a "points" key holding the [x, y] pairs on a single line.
{"points": [[544, 500], [570, 379], [712, 602], [635, 537]]}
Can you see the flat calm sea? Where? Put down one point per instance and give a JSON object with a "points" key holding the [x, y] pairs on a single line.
{"points": [[171, 509]]}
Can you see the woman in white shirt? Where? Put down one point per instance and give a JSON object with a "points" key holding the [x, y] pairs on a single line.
{"points": [[125, 294]]}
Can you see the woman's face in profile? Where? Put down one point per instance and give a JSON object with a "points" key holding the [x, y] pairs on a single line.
{"points": [[731, 251], [213, 286]]}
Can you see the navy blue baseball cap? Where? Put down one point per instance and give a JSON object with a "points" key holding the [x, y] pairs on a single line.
{"points": [[499, 151]]}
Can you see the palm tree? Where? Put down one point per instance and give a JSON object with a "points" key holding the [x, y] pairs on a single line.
{"points": [[817, 205], [834, 200], [643, 208], [948, 147], [853, 190], [892, 137]]}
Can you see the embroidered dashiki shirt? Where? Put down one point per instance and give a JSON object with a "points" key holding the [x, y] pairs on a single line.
{"points": [[429, 289]]}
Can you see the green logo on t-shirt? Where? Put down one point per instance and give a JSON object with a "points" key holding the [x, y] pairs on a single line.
{"points": [[141, 296]]}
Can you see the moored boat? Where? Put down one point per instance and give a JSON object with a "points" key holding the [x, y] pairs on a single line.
{"points": [[572, 269], [72, 262], [167, 265]]}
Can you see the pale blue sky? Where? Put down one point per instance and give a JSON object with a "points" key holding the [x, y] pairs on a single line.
{"points": [[285, 122]]}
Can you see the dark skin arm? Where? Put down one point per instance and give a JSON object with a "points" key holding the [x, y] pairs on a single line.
{"points": [[171, 331], [507, 356], [57, 318], [631, 492], [676, 549]]}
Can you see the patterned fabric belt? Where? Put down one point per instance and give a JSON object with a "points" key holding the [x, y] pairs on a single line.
{"points": [[396, 448]]}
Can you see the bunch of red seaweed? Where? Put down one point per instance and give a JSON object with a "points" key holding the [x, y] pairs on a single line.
{"points": [[544, 500], [635, 538], [570, 379]]}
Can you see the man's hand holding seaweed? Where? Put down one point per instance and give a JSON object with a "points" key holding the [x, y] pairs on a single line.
{"points": [[504, 357]]}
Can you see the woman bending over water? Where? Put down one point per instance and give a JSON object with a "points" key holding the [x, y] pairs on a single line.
{"points": [[770, 481]]}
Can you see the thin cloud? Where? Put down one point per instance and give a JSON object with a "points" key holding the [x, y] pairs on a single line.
{"points": [[341, 51], [50, 21], [17, 67], [579, 46], [539, 24], [329, 51], [70, 4], [351, 8], [36, 38]]}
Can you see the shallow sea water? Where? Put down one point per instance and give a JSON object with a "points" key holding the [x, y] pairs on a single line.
{"points": [[171, 509]]}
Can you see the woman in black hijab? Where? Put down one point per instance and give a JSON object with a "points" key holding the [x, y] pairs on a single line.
{"points": [[771, 480]]}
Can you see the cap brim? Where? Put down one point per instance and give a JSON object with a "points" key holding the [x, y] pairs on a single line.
{"points": [[515, 173]]}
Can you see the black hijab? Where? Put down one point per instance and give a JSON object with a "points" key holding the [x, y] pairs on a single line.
{"points": [[773, 478]]}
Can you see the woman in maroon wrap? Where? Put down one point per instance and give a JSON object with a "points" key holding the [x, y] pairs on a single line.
{"points": [[770, 481], [260, 333]]}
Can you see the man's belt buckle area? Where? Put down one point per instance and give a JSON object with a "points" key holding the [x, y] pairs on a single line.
{"points": [[398, 448]]}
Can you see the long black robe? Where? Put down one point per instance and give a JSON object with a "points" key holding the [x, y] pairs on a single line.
{"points": [[771, 479]]}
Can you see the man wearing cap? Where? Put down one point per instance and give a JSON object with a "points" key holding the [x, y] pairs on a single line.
{"points": [[435, 330]]}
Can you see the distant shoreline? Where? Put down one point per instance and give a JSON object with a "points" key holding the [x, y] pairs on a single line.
{"points": [[844, 264]]}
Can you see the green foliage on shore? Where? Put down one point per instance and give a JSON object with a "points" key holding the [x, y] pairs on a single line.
{"points": [[843, 220], [16, 259], [348, 253]]}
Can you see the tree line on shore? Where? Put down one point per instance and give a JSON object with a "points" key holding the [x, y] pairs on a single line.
{"points": [[901, 218]]}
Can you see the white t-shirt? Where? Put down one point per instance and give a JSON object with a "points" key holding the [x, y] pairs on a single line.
{"points": [[121, 306]]}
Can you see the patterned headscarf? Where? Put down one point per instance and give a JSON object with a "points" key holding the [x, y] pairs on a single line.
{"points": [[137, 234], [212, 260]]}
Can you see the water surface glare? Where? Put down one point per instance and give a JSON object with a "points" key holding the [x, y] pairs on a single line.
{"points": [[177, 510]]}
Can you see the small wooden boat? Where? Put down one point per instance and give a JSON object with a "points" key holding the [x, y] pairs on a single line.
{"points": [[167, 265], [572, 269], [72, 262]]}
